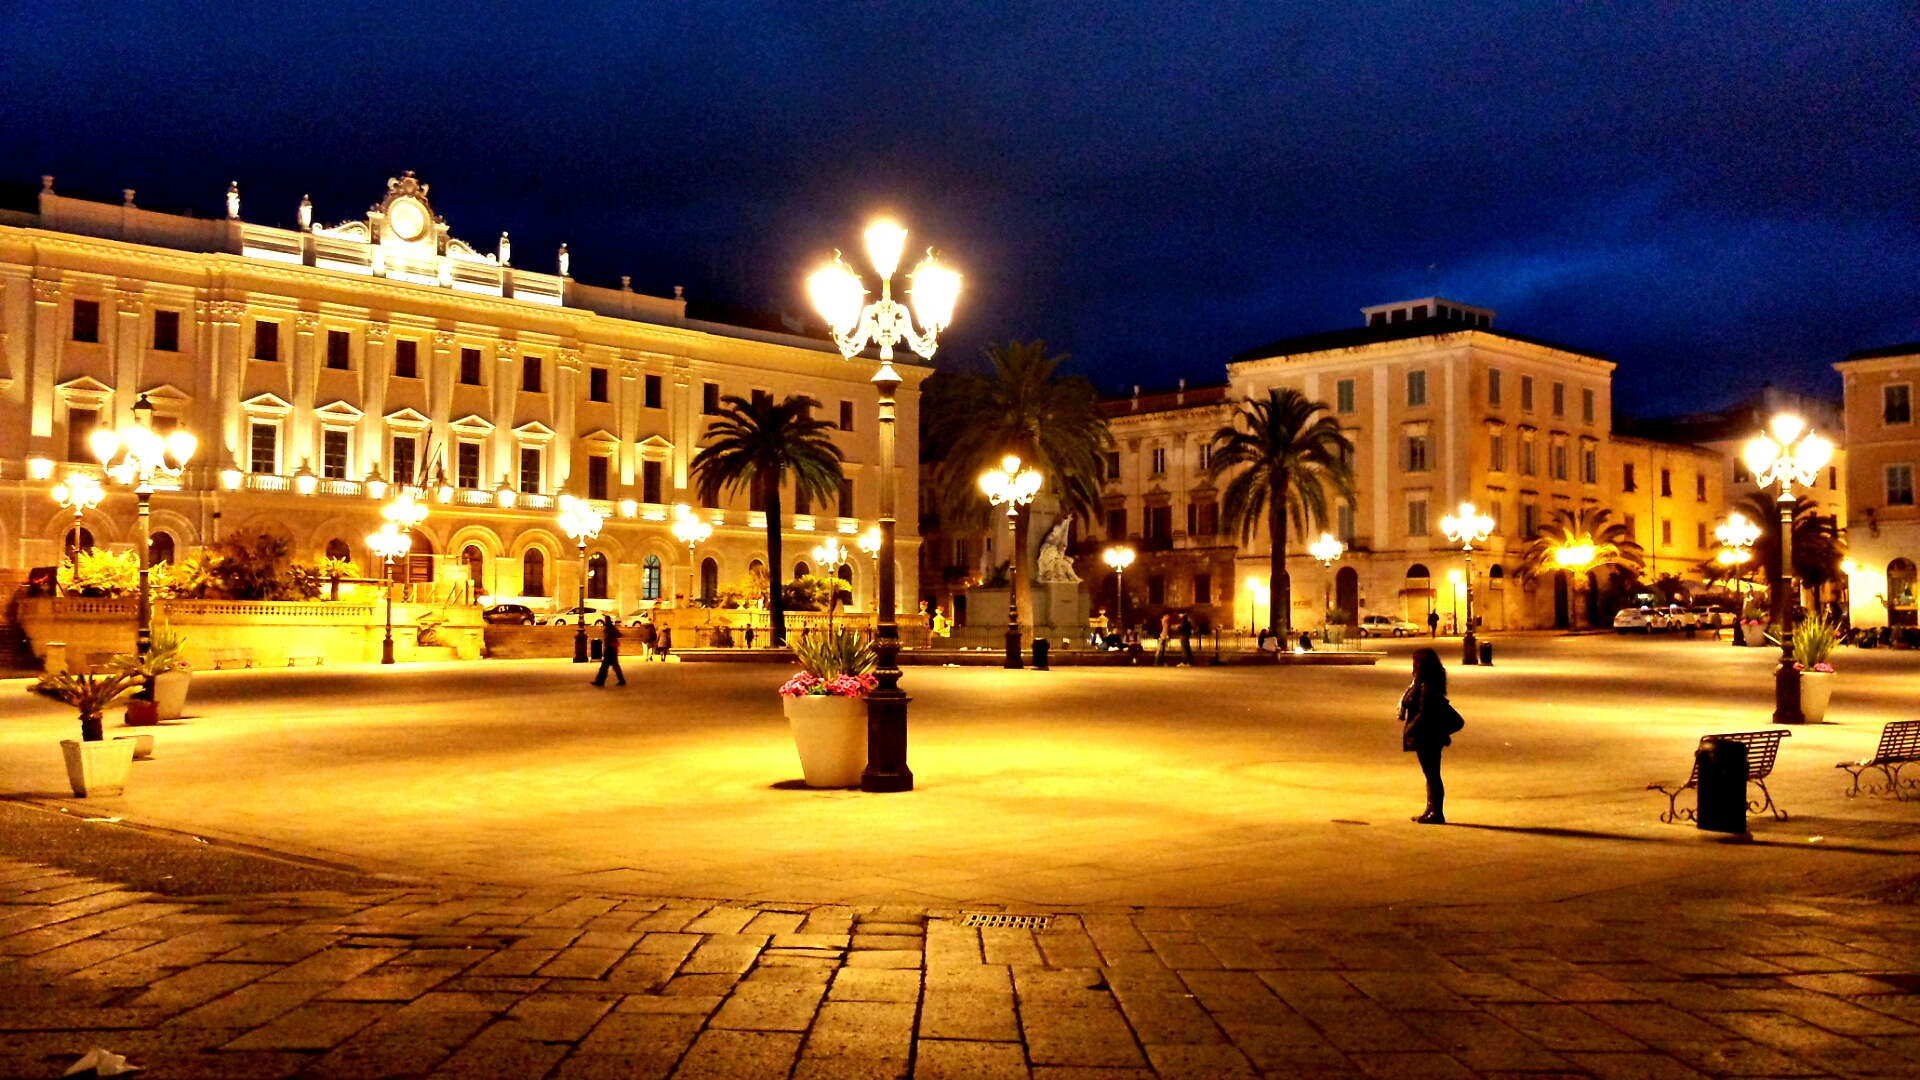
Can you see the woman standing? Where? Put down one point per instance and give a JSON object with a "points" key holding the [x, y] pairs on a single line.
{"points": [[1428, 722]]}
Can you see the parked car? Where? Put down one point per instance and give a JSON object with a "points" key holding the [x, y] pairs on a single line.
{"points": [[569, 616], [1633, 618], [1716, 617], [1679, 618], [509, 614], [1386, 626]]}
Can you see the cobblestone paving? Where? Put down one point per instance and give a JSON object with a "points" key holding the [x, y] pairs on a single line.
{"points": [[483, 983]]}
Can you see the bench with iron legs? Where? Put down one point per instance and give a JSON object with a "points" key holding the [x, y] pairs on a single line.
{"points": [[237, 654], [296, 659], [1762, 748], [1899, 745]]}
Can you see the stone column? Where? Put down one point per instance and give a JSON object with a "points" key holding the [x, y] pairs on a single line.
{"points": [[305, 384], [506, 385], [125, 346], [627, 405], [45, 350], [228, 365], [374, 369], [440, 378], [566, 368], [683, 419]]}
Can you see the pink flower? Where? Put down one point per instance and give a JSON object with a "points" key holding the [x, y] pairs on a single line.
{"points": [[802, 685], [1824, 666], [851, 685]]}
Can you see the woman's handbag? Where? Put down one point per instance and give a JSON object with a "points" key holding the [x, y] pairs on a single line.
{"points": [[1450, 719]]}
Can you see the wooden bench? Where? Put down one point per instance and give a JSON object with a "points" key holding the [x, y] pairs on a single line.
{"points": [[314, 658], [237, 654], [1762, 748], [1899, 745]]}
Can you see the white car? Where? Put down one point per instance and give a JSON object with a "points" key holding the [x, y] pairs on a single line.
{"points": [[1634, 618], [1386, 626]]}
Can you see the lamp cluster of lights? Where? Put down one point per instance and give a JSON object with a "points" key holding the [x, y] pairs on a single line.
{"points": [[1468, 528], [1118, 557], [394, 539], [688, 528], [869, 542], [1010, 485], [830, 554], [1788, 454], [579, 519], [1328, 548], [79, 492], [840, 296], [137, 456], [1736, 534]]}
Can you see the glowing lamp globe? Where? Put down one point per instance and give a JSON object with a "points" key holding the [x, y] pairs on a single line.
{"points": [[934, 291], [837, 294], [885, 241]]}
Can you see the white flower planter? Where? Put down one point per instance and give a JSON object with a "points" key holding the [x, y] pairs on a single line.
{"points": [[170, 693], [831, 735], [98, 768], [1756, 636], [142, 746], [1816, 690]]}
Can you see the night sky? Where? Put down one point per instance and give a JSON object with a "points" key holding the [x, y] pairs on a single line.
{"points": [[1712, 195]]}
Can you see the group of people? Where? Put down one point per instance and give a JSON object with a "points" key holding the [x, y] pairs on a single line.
{"points": [[1172, 627], [656, 642]]}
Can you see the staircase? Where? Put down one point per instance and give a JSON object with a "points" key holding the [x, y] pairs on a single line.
{"points": [[15, 656]]}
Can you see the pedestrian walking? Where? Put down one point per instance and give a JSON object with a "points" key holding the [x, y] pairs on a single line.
{"points": [[1433, 623], [664, 647], [1428, 721], [1166, 631], [749, 631], [609, 651], [649, 634], [1186, 638]]}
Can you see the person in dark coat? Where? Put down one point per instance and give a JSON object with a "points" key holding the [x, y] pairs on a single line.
{"points": [[609, 651], [1427, 721], [1186, 639]]}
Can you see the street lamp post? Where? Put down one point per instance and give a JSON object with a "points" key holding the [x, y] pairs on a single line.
{"points": [[1120, 557], [1469, 528], [869, 543], [1327, 550], [82, 493], [138, 456], [839, 295], [832, 554], [691, 531], [1787, 454], [1013, 487], [389, 543], [581, 522], [1738, 535]]}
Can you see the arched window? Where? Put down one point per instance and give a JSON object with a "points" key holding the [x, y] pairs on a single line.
{"points": [[709, 581], [650, 578], [421, 545], [476, 561], [337, 549], [597, 576], [801, 570], [79, 539], [756, 567], [162, 549], [1417, 570], [533, 573]]}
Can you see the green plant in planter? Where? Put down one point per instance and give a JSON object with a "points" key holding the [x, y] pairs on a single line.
{"points": [[91, 693], [1337, 616], [1813, 642], [833, 652]]}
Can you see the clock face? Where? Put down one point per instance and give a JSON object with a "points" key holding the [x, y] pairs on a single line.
{"points": [[408, 218]]}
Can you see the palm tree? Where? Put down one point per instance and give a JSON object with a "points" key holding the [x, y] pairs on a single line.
{"points": [[1612, 543], [970, 421], [753, 445], [1819, 544], [1290, 452]]}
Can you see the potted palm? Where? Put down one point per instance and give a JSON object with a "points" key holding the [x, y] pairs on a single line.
{"points": [[166, 676], [95, 766], [1336, 629], [1813, 642], [826, 705]]}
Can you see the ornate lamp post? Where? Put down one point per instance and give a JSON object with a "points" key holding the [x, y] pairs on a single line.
{"points": [[1120, 557], [839, 294], [1736, 535], [691, 531], [580, 521], [137, 456], [389, 543], [1470, 527], [869, 542], [82, 493], [831, 554], [1789, 453], [1014, 487], [1328, 550]]}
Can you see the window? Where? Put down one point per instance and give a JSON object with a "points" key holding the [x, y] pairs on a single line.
{"points": [[338, 342], [1493, 386], [1159, 460], [650, 578], [1343, 521], [1156, 589], [406, 359], [1159, 522], [1526, 455], [530, 376], [1416, 388], [710, 580], [1666, 532], [1559, 399], [1626, 478], [161, 549], [405, 454], [1495, 511], [756, 498], [466, 468], [1899, 485], [80, 425], [650, 482], [710, 399], [476, 561], [1590, 463], [1530, 520], [533, 573], [762, 399], [1203, 588], [1833, 478], [1699, 487], [597, 476], [1113, 465], [1417, 453], [266, 340], [1116, 524], [1343, 396], [86, 320], [1203, 518], [166, 331], [846, 497], [1417, 517], [1666, 483], [1740, 473], [1497, 452], [263, 448], [597, 576], [530, 470], [1526, 393], [1586, 406], [802, 500], [469, 367], [333, 454], [1559, 462], [1700, 534], [846, 416], [597, 384], [654, 389], [1898, 397]]}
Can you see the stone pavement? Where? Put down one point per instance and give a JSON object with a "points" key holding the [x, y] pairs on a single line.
{"points": [[478, 983]]}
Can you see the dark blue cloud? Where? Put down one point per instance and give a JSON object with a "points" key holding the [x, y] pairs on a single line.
{"points": [[1711, 194]]}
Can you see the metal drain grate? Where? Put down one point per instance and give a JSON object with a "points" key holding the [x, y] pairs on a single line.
{"points": [[998, 921]]}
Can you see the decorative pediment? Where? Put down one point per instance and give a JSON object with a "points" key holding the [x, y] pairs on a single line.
{"points": [[266, 405], [339, 412], [85, 392], [167, 394], [473, 426], [601, 436], [408, 420], [533, 432], [655, 448]]}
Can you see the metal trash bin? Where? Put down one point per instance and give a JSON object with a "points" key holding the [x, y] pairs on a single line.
{"points": [[1721, 796], [593, 648], [1486, 653], [1040, 647]]}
